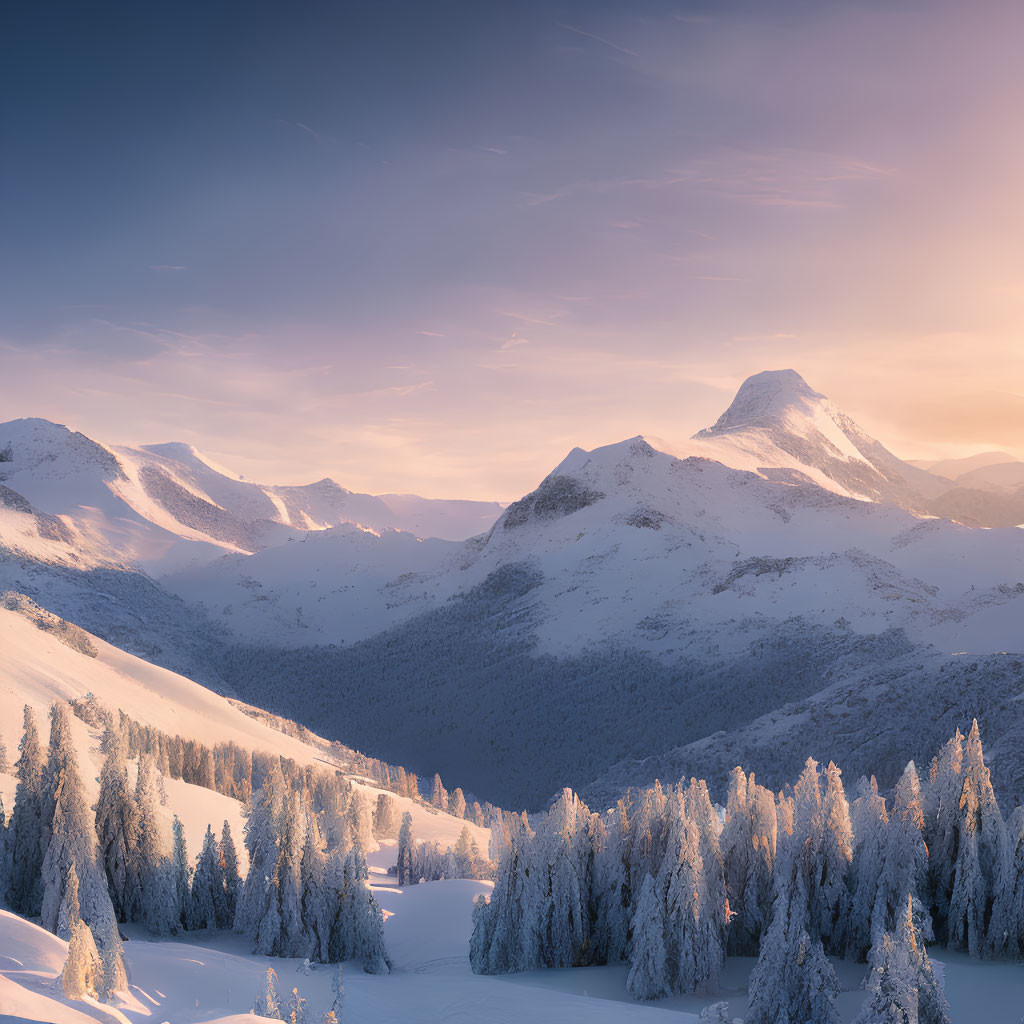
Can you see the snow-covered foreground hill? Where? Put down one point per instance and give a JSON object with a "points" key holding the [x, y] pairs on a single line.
{"points": [[215, 980]]}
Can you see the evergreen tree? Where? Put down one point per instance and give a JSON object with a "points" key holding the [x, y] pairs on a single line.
{"points": [[904, 990], [1006, 933], [268, 1003], [117, 826], [457, 803], [648, 976], [230, 879], [385, 817], [206, 886], [748, 844], [439, 795], [83, 969], [338, 996], [28, 832], [295, 1011], [4, 765], [980, 854], [73, 845], [406, 844], [180, 872], [793, 982], [258, 902]]}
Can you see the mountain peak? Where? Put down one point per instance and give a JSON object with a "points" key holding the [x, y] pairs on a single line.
{"points": [[763, 400]]}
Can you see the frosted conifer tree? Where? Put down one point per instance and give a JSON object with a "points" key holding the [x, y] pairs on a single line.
{"points": [[980, 854], [316, 908], [83, 969], [439, 795], [293, 940], [748, 844], [904, 990], [870, 828], [117, 826], [793, 982], [295, 1011], [406, 852], [230, 878], [268, 1003], [27, 833], [181, 873], [73, 845], [1006, 933], [258, 898], [385, 817], [4, 765], [338, 996], [206, 887], [457, 803], [648, 976]]}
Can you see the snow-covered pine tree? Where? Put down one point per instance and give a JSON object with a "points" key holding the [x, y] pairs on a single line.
{"points": [[338, 996], [1006, 931], [562, 870], [439, 795], [258, 898], [870, 822], [904, 990], [155, 899], [82, 974], [4, 764], [385, 817], [203, 899], [27, 833], [792, 982], [181, 872], [232, 883], [648, 976], [980, 853], [117, 826], [268, 1002], [457, 803], [293, 940], [296, 1010], [406, 852], [748, 843], [317, 912], [73, 843], [942, 823]]}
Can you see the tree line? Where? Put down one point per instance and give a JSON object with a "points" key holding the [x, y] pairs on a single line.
{"points": [[671, 884]]}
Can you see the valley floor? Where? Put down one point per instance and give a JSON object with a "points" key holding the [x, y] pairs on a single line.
{"points": [[214, 978]]}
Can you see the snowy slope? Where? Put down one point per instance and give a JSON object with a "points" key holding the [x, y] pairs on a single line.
{"points": [[37, 668]]}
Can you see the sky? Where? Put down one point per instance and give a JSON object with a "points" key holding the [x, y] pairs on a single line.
{"points": [[432, 247]]}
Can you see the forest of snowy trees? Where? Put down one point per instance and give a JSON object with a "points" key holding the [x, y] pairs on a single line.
{"points": [[81, 870], [671, 884]]}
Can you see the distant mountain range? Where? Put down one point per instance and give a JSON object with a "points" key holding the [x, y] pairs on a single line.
{"points": [[777, 582]]}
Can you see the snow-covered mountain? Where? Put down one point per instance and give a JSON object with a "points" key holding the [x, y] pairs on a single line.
{"points": [[785, 551], [646, 599], [162, 506]]}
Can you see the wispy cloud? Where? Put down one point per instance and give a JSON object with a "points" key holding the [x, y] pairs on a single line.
{"points": [[597, 39], [166, 266], [431, 334]]}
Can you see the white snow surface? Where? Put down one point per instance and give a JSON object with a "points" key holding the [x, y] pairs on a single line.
{"points": [[663, 547]]}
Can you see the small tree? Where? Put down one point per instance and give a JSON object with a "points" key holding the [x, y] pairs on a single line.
{"points": [[268, 1003], [83, 968], [406, 854]]}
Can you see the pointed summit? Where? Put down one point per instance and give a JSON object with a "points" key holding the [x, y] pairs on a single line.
{"points": [[783, 429], [763, 400]]}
